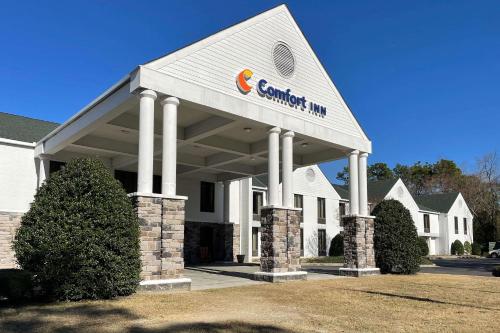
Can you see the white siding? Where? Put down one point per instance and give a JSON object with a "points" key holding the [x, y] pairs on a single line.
{"points": [[18, 177], [215, 62], [191, 189], [461, 211]]}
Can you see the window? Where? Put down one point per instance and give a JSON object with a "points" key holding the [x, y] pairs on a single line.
{"points": [[257, 203], [301, 242], [465, 226], [298, 202], [255, 242], [456, 225], [321, 242], [129, 181], [207, 197], [321, 211], [427, 224], [341, 213]]}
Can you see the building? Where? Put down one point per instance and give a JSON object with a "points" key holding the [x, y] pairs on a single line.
{"points": [[435, 216], [248, 101]]}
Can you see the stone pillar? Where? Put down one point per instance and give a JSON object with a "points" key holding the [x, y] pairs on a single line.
{"points": [[146, 141], [231, 241], [363, 186], [359, 254], [353, 183], [161, 241], [280, 242], [169, 155], [172, 238], [287, 169], [273, 166]]}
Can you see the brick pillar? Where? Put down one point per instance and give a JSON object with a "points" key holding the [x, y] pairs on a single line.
{"points": [[162, 241], [280, 238], [231, 241], [172, 238], [359, 254]]}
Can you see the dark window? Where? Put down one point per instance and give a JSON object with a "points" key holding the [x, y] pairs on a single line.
{"points": [[321, 242], [456, 225], [341, 213], [298, 202], [255, 242], [55, 166], [301, 242], [427, 223], [207, 197], [321, 211], [257, 202], [465, 226], [129, 181]]}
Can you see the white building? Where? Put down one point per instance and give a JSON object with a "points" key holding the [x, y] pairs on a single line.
{"points": [[440, 218], [248, 101]]}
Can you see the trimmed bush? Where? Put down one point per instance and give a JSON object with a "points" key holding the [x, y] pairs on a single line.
{"points": [[422, 245], [496, 271], [395, 239], [457, 248], [80, 237], [467, 247], [476, 249], [336, 246]]}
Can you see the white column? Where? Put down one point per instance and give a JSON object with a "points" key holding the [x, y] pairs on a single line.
{"points": [[227, 202], [353, 183], [43, 169], [169, 155], [146, 141], [287, 169], [363, 190], [273, 165]]}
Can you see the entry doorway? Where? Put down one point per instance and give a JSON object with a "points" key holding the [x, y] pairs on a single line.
{"points": [[206, 244]]}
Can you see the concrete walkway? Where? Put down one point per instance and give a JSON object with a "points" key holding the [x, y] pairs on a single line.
{"points": [[233, 275]]}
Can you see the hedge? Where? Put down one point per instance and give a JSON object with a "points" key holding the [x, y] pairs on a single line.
{"points": [[336, 246], [457, 248], [80, 237]]}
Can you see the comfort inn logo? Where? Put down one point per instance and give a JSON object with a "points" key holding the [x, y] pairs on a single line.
{"points": [[283, 96]]}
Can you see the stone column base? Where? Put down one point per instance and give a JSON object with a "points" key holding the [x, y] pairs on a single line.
{"points": [[178, 284], [280, 277], [358, 272]]}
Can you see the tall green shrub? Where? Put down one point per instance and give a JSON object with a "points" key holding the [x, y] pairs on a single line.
{"points": [[476, 249], [467, 247], [336, 246], [80, 237], [457, 248], [395, 239], [422, 245]]}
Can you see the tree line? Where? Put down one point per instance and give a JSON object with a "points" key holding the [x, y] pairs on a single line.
{"points": [[481, 188]]}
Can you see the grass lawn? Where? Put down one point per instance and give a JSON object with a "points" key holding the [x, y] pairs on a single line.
{"points": [[424, 302]]}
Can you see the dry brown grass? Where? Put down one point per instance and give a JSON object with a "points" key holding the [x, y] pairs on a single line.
{"points": [[423, 302]]}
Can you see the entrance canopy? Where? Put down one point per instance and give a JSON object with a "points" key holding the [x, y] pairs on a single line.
{"points": [[232, 88]]}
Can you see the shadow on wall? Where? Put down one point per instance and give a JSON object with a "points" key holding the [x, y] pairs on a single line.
{"points": [[66, 317]]}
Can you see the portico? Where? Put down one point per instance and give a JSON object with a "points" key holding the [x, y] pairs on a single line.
{"points": [[195, 116]]}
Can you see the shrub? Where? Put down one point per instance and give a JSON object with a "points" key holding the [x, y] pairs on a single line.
{"points": [[496, 271], [476, 249], [336, 246], [80, 237], [16, 285], [395, 239], [457, 248], [422, 245], [467, 247]]}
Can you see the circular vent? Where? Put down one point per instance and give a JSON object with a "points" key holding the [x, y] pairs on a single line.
{"points": [[283, 59], [310, 175]]}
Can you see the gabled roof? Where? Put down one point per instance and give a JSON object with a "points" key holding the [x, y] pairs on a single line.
{"points": [[440, 202], [24, 129], [377, 190]]}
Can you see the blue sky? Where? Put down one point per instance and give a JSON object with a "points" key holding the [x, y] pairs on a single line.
{"points": [[422, 77]]}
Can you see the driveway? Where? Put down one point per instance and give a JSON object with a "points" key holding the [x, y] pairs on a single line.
{"points": [[231, 275], [477, 267]]}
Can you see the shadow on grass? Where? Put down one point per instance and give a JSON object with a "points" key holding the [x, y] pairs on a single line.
{"points": [[60, 318], [216, 271], [454, 287], [226, 327], [422, 299]]}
